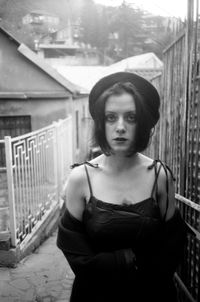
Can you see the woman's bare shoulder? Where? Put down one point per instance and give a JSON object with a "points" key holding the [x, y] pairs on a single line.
{"points": [[77, 174], [145, 160], [164, 172], [76, 183], [97, 160], [75, 191]]}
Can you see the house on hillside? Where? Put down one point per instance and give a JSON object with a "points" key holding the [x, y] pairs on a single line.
{"points": [[41, 17], [63, 46], [68, 54], [67, 35], [41, 23], [33, 94]]}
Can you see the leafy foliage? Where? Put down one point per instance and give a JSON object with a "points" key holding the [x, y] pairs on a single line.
{"points": [[123, 31]]}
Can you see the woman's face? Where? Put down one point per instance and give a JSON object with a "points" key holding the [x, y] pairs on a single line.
{"points": [[120, 122]]}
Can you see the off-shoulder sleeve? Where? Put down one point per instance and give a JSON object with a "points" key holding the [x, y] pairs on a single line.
{"points": [[174, 237]]}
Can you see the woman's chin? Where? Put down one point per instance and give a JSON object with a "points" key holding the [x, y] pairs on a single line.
{"points": [[121, 150]]}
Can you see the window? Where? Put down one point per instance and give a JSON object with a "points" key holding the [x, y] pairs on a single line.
{"points": [[12, 126]]}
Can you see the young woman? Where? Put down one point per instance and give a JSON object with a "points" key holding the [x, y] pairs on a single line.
{"points": [[121, 233]]}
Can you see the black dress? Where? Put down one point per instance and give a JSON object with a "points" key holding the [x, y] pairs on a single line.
{"points": [[112, 232]]}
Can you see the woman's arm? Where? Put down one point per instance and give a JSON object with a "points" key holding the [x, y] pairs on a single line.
{"points": [[166, 194], [75, 193]]}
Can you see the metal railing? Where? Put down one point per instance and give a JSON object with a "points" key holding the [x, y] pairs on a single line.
{"points": [[188, 275], [37, 164]]}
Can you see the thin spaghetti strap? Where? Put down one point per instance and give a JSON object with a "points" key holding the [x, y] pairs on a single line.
{"points": [[84, 163], [166, 168], [88, 178], [155, 185]]}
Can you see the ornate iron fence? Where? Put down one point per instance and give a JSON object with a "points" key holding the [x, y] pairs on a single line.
{"points": [[188, 275], [37, 164]]}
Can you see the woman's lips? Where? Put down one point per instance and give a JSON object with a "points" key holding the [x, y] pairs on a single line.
{"points": [[120, 139]]}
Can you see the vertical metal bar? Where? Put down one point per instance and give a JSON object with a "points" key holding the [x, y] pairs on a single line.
{"points": [[11, 195], [40, 174], [45, 169], [190, 87], [32, 194], [43, 183], [27, 199], [29, 189], [60, 151], [70, 128], [23, 188], [56, 160], [37, 179], [15, 171], [196, 95]]}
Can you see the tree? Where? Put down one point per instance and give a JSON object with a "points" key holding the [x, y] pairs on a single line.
{"points": [[89, 23], [95, 27], [158, 35], [127, 22], [2, 8]]}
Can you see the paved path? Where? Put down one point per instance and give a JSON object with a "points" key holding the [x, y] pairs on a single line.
{"points": [[43, 276]]}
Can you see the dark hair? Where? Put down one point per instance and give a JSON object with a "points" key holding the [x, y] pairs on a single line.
{"points": [[146, 118]]}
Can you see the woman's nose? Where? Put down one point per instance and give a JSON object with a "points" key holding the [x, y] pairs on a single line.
{"points": [[120, 126]]}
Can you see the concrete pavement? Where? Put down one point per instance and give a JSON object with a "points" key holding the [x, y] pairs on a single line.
{"points": [[43, 276]]}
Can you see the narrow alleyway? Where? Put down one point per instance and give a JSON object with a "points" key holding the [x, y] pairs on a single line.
{"points": [[43, 276]]}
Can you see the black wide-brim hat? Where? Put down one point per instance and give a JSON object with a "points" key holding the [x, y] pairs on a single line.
{"points": [[146, 90]]}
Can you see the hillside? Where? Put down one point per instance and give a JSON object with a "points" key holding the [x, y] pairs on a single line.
{"points": [[136, 32], [12, 12]]}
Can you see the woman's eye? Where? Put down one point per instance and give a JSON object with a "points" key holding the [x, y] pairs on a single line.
{"points": [[110, 118], [131, 118]]}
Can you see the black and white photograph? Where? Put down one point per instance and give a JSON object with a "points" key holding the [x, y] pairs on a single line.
{"points": [[99, 151]]}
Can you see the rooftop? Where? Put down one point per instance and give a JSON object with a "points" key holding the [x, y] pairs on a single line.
{"points": [[146, 65]]}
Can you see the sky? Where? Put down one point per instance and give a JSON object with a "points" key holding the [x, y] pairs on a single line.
{"points": [[176, 8]]}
